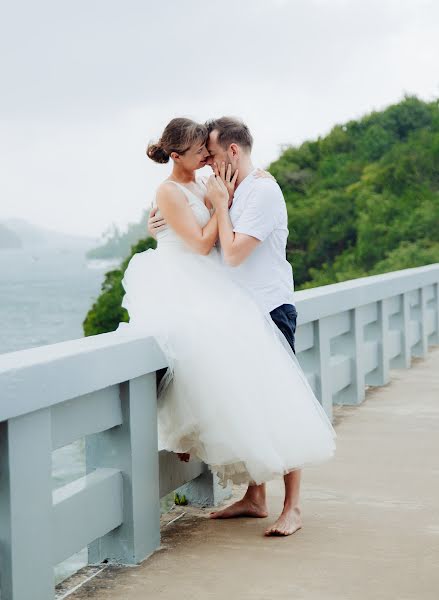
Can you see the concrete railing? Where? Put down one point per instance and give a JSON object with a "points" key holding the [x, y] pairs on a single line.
{"points": [[351, 333], [104, 388]]}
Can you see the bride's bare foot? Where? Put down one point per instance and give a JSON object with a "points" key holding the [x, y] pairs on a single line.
{"points": [[288, 522], [183, 456], [242, 508]]}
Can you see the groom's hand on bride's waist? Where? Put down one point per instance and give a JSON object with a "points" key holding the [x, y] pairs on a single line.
{"points": [[155, 222]]}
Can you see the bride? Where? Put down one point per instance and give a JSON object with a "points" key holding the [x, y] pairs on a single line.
{"points": [[234, 395]]}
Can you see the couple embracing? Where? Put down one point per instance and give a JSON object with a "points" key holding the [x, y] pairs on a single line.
{"points": [[217, 294]]}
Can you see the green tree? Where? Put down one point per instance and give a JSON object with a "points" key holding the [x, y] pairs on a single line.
{"points": [[363, 196], [107, 312]]}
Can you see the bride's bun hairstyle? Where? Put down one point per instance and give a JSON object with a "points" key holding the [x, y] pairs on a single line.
{"points": [[157, 153], [179, 135]]}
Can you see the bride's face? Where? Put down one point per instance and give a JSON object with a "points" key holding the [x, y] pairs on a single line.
{"points": [[194, 158]]}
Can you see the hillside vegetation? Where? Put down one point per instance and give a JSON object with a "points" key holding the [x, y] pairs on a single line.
{"points": [[365, 198]]}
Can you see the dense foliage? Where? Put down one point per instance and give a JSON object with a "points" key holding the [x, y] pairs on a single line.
{"points": [[107, 312], [362, 200]]}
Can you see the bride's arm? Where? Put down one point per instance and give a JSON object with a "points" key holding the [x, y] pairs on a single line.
{"points": [[180, 217]]}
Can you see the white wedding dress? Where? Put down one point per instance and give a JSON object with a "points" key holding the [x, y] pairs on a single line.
{"points": [[234, 395]]}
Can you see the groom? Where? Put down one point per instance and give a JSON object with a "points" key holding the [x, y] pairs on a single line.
{"points": [[253, 236]]}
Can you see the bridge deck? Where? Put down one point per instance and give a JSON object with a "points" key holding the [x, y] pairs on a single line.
{"points": [[371, 518]]}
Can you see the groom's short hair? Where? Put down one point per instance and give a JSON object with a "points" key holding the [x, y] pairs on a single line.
{"points": [[231, 131]]}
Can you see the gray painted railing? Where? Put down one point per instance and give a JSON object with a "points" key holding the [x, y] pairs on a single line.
{"points": [[104, 387], [351, 333]]}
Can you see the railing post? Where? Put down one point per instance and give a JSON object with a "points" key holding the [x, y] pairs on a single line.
{"points": [[356, 391], [403, 360], [435, 336], [131, 447], [352, 348], [359, 384], [421, 348], [323, 352], [381, 375], [26, 569]]}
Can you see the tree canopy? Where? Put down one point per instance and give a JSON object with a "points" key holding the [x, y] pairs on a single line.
{"points": [[365, 198]]}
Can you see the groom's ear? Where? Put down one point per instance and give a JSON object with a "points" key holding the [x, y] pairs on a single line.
{"points": [[234, 149]]}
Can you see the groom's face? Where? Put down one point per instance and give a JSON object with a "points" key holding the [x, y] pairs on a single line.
{"points": [[217, 153]]}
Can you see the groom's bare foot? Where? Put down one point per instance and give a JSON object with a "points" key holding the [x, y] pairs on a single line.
{"points": [[288, 522], [242, 508]]}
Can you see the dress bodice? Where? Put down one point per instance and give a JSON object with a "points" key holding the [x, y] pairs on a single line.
{"points": [[202, 214]]}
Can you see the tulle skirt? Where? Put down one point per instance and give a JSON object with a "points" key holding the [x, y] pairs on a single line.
{"points": [[234, 395]]}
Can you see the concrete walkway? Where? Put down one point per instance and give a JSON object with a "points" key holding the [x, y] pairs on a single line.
{"points": [[371, 519]]}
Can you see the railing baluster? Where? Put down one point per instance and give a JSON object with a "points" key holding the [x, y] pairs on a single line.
{"points": [[358, 387], [380, 376], [323, 350], [435, 337], [421, 348], [349, 345], [132, 448], [404, 360], [26, 569]]}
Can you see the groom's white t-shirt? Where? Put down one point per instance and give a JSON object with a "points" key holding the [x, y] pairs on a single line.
{"points": [[259, 210]]}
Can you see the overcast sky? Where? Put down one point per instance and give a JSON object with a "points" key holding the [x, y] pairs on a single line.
{"points": [[85, 86]]}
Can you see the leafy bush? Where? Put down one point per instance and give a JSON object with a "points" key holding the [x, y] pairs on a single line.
{"points": [[107, 312]]}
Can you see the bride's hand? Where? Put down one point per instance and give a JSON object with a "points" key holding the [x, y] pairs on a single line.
{"points": [[226, 176], [260, 173], [217, 192]]}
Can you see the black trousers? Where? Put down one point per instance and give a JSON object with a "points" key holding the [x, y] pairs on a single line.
{"points": [[285, 317]]}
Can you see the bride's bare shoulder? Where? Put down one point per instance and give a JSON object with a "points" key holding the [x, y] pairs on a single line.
{"points": [[168, 192], [168, 184], [169, 188]]}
